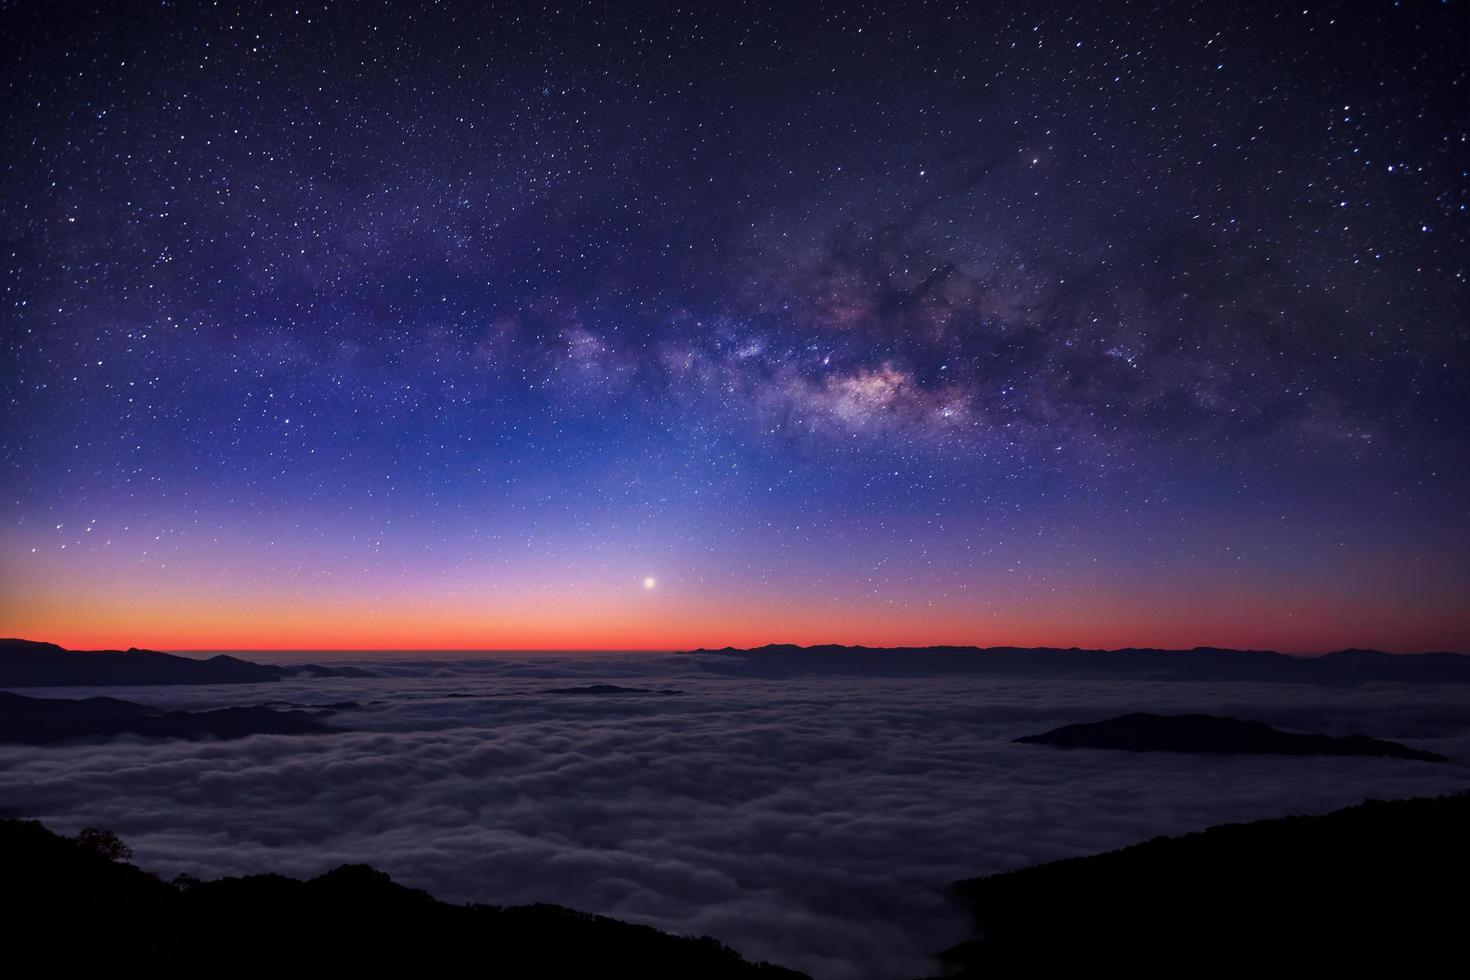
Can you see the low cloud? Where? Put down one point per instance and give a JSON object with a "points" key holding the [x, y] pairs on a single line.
{"points": [[813, 822]]}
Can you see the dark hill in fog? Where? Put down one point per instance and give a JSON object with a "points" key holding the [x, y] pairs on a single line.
{"points": [[609, 690], [27, 663], [1142, 732], [69, 909], [41, 721], [1380, 883], [1345, 667]]}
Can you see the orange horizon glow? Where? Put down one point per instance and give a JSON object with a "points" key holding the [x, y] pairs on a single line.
{"points": [[1086, 627], [111, 591]]}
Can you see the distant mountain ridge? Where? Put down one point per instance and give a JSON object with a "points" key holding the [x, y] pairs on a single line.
{"points": [[69, 907], [1346, 667], [29, 663], [1214, 734]]}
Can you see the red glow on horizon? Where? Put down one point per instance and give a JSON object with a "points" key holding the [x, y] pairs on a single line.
{"points": [[201, 601], [336, 630]]}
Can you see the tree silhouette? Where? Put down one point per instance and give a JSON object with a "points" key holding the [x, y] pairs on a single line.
{"points": [[104, 843]]}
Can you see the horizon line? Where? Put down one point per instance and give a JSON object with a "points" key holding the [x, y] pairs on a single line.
{"points": [[1317, 652], [808, 646]]}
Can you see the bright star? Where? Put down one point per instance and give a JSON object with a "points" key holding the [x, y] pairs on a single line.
{"points": [[650, 582]]}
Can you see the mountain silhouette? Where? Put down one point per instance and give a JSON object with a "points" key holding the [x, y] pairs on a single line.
{"points": [[1344, 667], [70, 907], [1142, 732], [41, 721], [1379, 885], [28, 663]]}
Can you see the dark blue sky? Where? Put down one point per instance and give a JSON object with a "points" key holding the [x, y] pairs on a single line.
{"points": [[449, 324]]}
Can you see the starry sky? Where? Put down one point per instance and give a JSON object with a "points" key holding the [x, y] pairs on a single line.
{"points": [[483, 325]]}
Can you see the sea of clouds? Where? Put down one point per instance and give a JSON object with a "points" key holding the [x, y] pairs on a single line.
{"points": [[812, 821]]}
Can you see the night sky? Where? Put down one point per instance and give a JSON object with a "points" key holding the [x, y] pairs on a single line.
{"points": [[477, 325]]}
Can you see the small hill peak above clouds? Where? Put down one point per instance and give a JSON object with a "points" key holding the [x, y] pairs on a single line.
{"points": [[1213, 734]]}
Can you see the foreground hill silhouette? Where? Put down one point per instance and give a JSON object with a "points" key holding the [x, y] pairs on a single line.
{"points": [[1142, 732], [27, 663], [42, 721], [1379, 883], [1345, 667], [69, 907]]}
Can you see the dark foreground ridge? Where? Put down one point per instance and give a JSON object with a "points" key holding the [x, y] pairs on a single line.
{"points": [[1345, 667], [70, 907], [41, 721], [1382, 882], [27, 663], [1142, 732]]}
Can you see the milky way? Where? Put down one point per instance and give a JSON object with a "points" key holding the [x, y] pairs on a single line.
{"points": [[447, 325]]}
